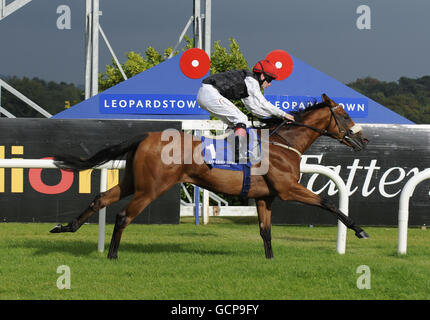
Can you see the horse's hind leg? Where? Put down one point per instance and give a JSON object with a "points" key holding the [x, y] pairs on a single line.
{"points": [[123, 219], [100, 201], [125, 188], [264, 209]]}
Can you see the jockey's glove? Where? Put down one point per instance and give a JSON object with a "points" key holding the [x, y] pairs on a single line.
{"points": [[288, 117]]}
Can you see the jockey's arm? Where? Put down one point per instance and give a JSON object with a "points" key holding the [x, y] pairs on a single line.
{"points": [[257, 104]]}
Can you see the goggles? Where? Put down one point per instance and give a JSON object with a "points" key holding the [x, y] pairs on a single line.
{"points": [[268, 79]]}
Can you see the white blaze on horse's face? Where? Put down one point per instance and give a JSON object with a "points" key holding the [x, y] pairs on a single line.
{"points": [[356, 128]]}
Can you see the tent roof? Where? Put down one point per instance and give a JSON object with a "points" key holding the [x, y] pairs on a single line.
{"points": [[166, 93]]}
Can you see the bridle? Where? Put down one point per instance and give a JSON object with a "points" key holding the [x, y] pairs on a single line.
{"points": [[345, 134]]}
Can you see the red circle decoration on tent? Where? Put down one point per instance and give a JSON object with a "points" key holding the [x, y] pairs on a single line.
{"points": [[283, 63], [195, 63]]}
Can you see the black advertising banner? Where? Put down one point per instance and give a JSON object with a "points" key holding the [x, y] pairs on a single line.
{"points": [[374, 177], [50, 195]]}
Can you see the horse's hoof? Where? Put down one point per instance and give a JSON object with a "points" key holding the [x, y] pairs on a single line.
{"points": [[56, 229], [269, 255], [362, 235]]}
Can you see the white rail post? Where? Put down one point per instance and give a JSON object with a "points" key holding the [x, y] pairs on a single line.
{"points": [[205, 204], [405, 195], [343, 200], [102, 212], [205, 207]]}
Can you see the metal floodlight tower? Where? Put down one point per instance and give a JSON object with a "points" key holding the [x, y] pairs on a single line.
{"points": [[92, 30], [92, 48], [197, 25], [201, 40], [7, 9], [208, 23]]}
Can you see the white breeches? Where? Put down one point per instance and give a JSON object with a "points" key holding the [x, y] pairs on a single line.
{"points": [[211, 100]]}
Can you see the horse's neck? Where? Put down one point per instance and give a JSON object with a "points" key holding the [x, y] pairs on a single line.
{"points": [[301, 138]]}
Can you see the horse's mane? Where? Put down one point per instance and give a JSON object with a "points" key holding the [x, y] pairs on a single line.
{"points": [[312, 106], [271, 122]]}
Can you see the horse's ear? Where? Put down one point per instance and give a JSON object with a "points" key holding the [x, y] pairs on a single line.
{"points": [[325, 98]]}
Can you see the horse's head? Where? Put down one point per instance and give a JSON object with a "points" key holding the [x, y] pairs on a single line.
{"points": [[342, 128], [326, 118]]}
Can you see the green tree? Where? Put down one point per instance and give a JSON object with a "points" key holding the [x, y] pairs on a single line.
{"points": [[51, 96], [135, 64], [408, 97], [223, 60]]}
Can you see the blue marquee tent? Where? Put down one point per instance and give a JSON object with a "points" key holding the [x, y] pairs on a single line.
{"points": [[164, 92]]}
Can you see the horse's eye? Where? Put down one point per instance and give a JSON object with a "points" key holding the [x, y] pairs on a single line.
{"points": [[346, 117]]}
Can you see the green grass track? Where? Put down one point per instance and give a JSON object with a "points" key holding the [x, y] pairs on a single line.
{"points": [[222, 260]]}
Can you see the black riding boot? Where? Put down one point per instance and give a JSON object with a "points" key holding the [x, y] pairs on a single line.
{"points": [[240, 141]]}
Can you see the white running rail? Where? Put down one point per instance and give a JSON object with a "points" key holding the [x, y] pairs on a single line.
{"points": [[405, 195]]}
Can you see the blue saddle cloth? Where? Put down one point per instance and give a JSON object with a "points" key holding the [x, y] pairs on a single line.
{"points": [[219, 153]]}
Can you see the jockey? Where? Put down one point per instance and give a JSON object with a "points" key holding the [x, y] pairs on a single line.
{"points": [[218, 89]]}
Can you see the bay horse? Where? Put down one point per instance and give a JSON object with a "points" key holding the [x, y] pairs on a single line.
{"points": [[146, 177]]}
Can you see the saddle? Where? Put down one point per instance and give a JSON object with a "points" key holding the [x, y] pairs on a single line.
{"points": [[218, 152]]}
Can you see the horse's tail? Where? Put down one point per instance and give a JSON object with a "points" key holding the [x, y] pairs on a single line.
{"points": [[70, 162]]}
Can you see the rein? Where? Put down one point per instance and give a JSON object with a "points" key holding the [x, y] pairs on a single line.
{"points": [[323, 132], [280, 144]]}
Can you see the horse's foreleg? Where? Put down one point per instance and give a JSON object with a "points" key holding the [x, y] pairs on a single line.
{"points": [[299, 193], [264, 209], [347, 221]]}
